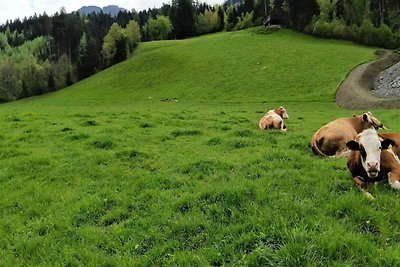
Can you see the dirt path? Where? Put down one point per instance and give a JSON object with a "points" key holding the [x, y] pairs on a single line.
{"points": [[355, 92]]}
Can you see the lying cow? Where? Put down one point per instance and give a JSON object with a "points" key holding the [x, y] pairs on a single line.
{"points": [[395, 137], [371, 161], [331, 139], [274, 119]]}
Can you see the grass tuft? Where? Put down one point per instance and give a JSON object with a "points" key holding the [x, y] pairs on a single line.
{"points": [[104, 144], [179, 133]]}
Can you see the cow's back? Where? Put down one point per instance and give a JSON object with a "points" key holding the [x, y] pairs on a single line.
{"points": [[332, 137], [395, 137]]}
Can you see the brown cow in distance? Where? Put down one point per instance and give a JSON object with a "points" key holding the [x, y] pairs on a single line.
{"points": [[395, 137], [331, 139], [274, 119], [371, 161]]}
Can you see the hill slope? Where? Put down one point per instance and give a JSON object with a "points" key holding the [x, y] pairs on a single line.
{"points": [[106, 173], [229, 67]]}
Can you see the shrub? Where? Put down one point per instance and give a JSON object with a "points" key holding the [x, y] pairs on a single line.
{"points": [[386, 38], [367, 33], [382, 36], [323, 29], [340, 30], [207, 22], [245, 22]]}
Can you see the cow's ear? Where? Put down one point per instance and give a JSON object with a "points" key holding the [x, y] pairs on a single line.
{"points": [[353, 145], [365, 117], [386, 143]]}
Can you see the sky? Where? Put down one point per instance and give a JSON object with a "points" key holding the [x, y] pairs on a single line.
{"points": [[13, 9]]}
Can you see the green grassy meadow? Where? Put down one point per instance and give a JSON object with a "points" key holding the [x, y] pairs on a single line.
{"points": [[105, 173]]}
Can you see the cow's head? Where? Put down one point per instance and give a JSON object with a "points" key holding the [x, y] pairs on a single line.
{"points": [[281, 111], [369, 145], [369, 121]]}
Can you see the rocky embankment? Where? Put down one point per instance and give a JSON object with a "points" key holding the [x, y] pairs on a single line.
{"points": [[372, 85], [388, 83]]}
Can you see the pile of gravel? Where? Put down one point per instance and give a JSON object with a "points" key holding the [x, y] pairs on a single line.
{"points": [[388, 83]]}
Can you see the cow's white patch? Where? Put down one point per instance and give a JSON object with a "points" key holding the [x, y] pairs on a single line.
{"points": [[369, 140], [396, 185]]}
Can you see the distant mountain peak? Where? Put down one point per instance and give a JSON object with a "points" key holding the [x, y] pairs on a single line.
{"points": [[110, 9]]}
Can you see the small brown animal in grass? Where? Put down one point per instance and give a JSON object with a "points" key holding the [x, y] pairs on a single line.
{"points": [[273, 119]]}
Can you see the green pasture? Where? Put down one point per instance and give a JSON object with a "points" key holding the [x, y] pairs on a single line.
{"points": [[114, 172]]}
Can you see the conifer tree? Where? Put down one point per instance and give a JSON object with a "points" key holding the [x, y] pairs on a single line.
{"points": [[182, 18]]}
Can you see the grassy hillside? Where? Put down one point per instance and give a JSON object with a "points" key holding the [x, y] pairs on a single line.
{"points": [[105, 173]]}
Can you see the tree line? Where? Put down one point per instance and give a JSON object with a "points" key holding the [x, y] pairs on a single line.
{"points": [[44, 53]]}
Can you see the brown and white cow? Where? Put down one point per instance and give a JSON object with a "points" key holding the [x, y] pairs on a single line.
{"points": [[274, 119], [371, 161], [395, 137], [331, 139]]}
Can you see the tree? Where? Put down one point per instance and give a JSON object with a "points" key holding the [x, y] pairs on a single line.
{"points": [[158, 29], [207, 22], [115, 45], [121, 49], [301, 12], [231, 18], [59, 32], [68, 79], [34, 76], [221, 18], [327, 9], [9, 81], [261, 8], [51, 84], [182, 17], [245, 21], [67, 30], [278, 4], [3, 41], [45, 24], [248, 6], [60, 69], [94, 56], [83, 71], [133, 34]]}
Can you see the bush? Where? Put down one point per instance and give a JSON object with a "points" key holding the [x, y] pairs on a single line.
{"points": [[367, 33], [323, 29], [340, 30], [158, 29], [245, 22], [381, 37], [355, 33], [386, 38], [207, 22]]}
